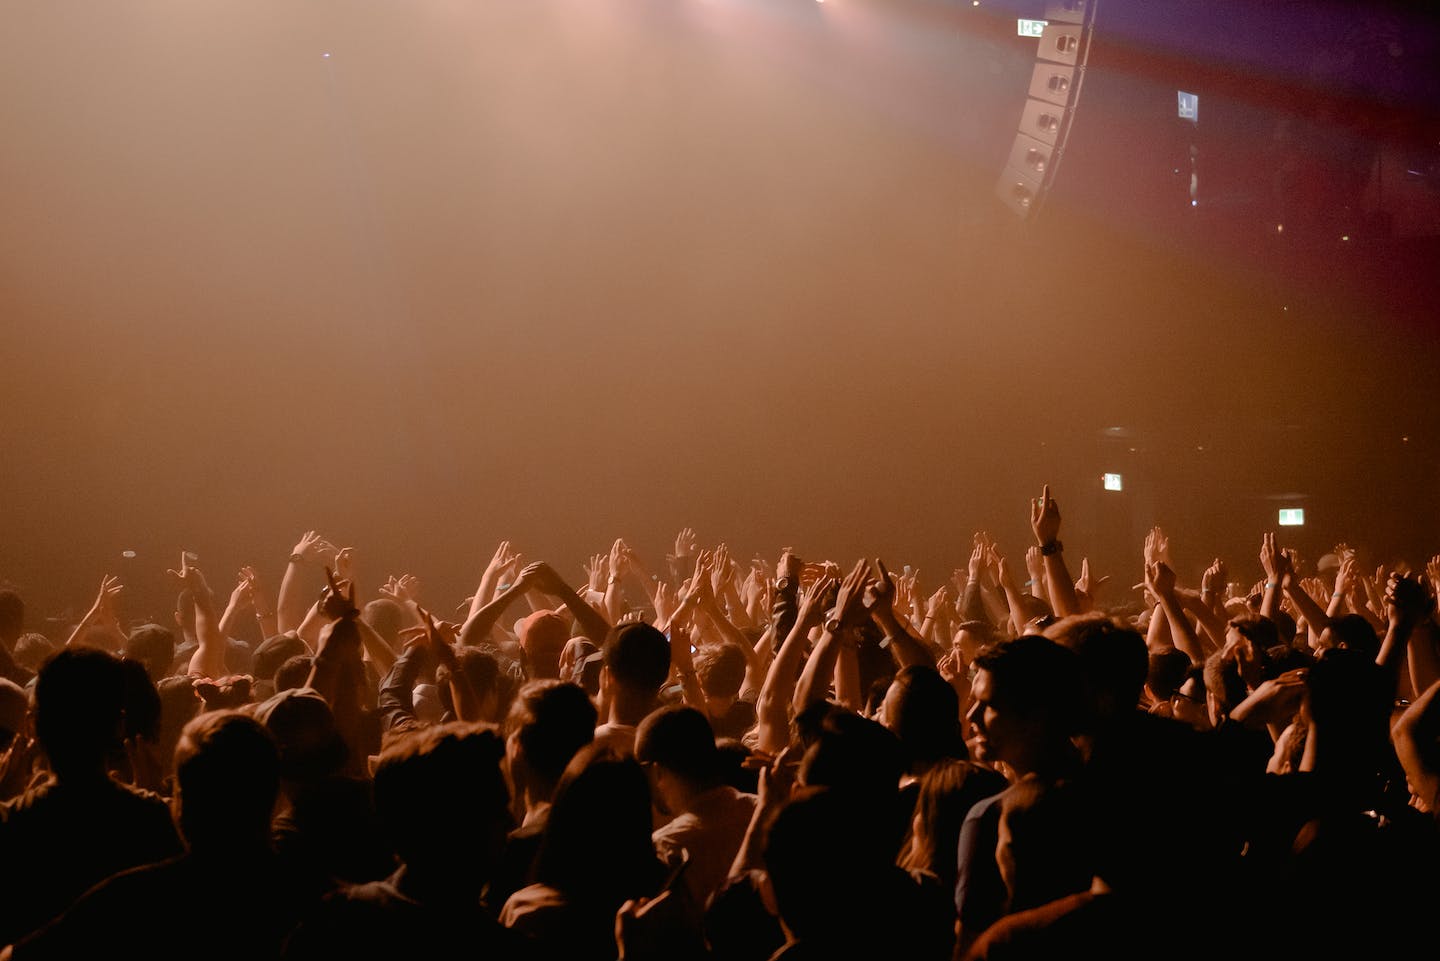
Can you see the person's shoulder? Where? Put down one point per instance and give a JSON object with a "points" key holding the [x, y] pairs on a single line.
{"points": [[531, 903], [18, 807]]}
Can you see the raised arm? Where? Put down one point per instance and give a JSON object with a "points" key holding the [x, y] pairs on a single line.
{"points": [[101, 615], [503, 559], [1160, 580], [776, 694], [1045, 523], [209, 657], [1415, 735], [904, 647], [478, 625], [1407, 604], [819, 670], [588, 620], [1276, 564], [291, 606]]}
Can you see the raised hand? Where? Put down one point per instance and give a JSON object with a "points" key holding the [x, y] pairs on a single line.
{"points": [[619, 559], [1035, 567], [977, 558], [314, 549], [259, 597], [102, 612], [339, 600], [1085, 584], [1406, 600], [664, 601], [1213, 581], [596, 572], [1045, 518], [1159, 579], [816, 599], [936, 603], [345, 564], [243, 595], [789, 565], [188, 575], [848, 603], [1157, 547], [1271, 559], [503, 558], [880, 594], [684, 543], [436, 641]]}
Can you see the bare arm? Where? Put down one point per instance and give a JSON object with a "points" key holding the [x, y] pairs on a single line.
{"points": [[290, 608], [1160, 580], [1045, 523], [1415, 735], [101, 615], [820, 668], [776, 694]]}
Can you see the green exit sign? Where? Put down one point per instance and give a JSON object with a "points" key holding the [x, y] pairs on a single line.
{"points": [[1031, 28]]}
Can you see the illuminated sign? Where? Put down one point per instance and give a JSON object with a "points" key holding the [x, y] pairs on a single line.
{"points": [[1292, 516], [1113, 483], [1188, 105], [1031, 28]]}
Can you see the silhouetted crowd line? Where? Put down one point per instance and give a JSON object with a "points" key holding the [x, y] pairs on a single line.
{"points": [[732, 760]]}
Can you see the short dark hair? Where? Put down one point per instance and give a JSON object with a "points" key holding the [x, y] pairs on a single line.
{"points": [[79, 705], [1036, 677], [637, 656], [294, 672], [153, 646], [552, 720], [926, 716], [461, 762], [680, 739], [274, 652], [227, 776]]}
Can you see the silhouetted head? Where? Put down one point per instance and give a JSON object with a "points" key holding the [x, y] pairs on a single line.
{"points": [[154, 647], [441, 795], [637, 658], [600, 816], [677, 744], [79, 710], [548, 723], [923, 711], [227, 778], [1113, 663]]}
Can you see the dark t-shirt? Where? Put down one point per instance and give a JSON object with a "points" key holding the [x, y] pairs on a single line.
{"points": [[379, 921], [58, 840], [117, 918]]}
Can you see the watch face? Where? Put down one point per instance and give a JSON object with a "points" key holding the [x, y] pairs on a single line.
{"points": [[833, 625]]}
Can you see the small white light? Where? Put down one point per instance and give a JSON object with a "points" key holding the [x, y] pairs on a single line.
{"points": [[1279, 228], [1113, 482], [325, 55], [128, 555], [1194, 203], [1344, 236], [1292, 517]]}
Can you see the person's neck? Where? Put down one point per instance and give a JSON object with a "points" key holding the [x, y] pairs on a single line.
{"points": [[630, 707], [1046, 762]]}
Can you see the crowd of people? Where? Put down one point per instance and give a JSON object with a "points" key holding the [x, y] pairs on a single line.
{"points": [[731, 760]]}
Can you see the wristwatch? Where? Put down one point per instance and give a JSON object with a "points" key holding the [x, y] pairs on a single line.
{"points": [[832, 625], [783, 584], [1054, 547]]}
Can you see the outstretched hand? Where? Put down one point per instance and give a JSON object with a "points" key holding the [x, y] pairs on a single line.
{"points": [[339, 600], [1045, 518]]}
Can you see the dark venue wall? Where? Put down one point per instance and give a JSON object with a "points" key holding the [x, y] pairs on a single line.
{"points": [[426, 275]]}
